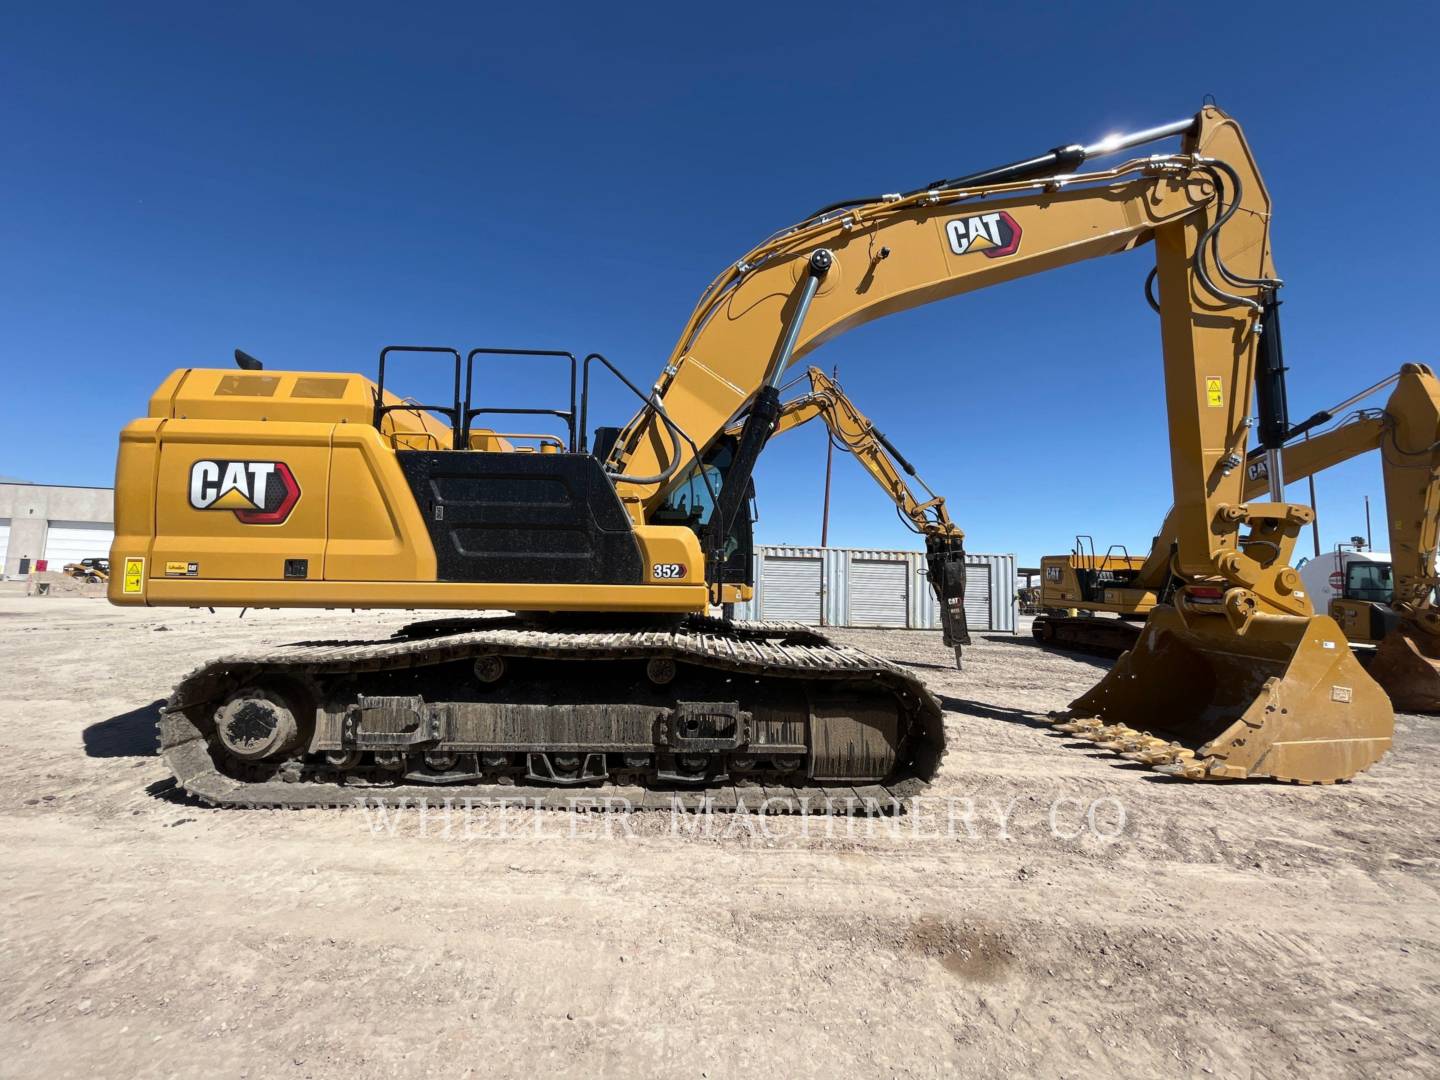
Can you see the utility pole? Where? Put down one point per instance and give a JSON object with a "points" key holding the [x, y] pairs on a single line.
{"points": [[829, 461], [1369, 540]]}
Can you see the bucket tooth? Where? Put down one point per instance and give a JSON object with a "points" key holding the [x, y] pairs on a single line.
{"points": [[1119, 738], [1160, 752], [1282, 697], [1096, 734], [1140, 740], [1407, 667], [1074, 725], [1185, 770]]}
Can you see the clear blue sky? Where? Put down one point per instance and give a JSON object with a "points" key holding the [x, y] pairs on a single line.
{"points": [[311, 183]]}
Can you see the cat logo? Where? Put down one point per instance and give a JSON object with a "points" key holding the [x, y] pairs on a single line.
{"points": [[258, 492], [995, 233]]}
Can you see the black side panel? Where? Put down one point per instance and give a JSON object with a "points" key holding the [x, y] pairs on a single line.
{"points": [[551, 519]]}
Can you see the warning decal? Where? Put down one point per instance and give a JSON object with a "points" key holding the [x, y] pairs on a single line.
{"points": [[1214, 395], [134, 575]]}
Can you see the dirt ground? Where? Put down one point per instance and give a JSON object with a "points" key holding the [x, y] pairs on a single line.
{"points": [[1151, 928]]}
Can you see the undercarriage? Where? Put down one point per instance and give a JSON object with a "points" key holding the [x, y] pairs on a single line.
{"points": [[497, 708]]}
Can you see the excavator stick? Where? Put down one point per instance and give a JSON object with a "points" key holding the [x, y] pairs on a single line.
{"points": [[1283, 699], [1407, 665]]}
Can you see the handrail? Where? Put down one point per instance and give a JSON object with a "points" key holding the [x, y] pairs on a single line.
{"points": [[457, 421], [568, 416]]}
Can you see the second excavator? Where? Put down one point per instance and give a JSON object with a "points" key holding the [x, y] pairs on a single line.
{"points": [[853, 432], [317, 489], [1404, 622]]}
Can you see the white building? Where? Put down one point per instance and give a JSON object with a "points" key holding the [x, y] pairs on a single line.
{"points": [[54, 524]]}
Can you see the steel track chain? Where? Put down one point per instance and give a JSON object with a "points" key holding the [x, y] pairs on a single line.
{"points": [[776, 650]]}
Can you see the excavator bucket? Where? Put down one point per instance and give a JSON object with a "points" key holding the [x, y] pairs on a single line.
{"points": [[1285, 699], [1407, 666]]}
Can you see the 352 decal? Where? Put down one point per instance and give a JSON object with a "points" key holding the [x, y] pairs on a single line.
{"points": [[667, 571], [995, 234], [257, 492]]}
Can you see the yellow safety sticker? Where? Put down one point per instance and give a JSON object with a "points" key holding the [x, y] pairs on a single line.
{"points": [[175, 569], [134, 575], [1214, 395]]}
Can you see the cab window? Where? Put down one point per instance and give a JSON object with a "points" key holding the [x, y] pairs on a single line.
{"points": [[1368, 581], [691, 502]]}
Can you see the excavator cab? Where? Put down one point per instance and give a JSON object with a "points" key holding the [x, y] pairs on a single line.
{"points": [[694, 502], [1363, 608]]}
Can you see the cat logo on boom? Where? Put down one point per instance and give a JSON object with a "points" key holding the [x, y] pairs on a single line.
{"points": [[995, 233], [258, 492]]}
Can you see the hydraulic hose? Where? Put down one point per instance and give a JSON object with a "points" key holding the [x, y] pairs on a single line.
{"points": [[1209, 239], [675, 435]]}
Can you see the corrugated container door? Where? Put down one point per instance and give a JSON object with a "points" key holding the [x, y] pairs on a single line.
{"points": [[977, 597], [878, 592], [791, 589]]}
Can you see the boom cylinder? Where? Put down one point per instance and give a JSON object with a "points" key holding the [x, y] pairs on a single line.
{"points": [[820, 262], [764, 411], [1067, 158]]}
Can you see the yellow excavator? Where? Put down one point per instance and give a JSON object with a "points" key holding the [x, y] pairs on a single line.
{"points": [[853, 432], [317, 489], [1406, 432]]}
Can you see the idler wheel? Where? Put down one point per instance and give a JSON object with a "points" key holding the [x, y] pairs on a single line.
{"points": [[489, 668], [256, 724], [660, 670]]}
